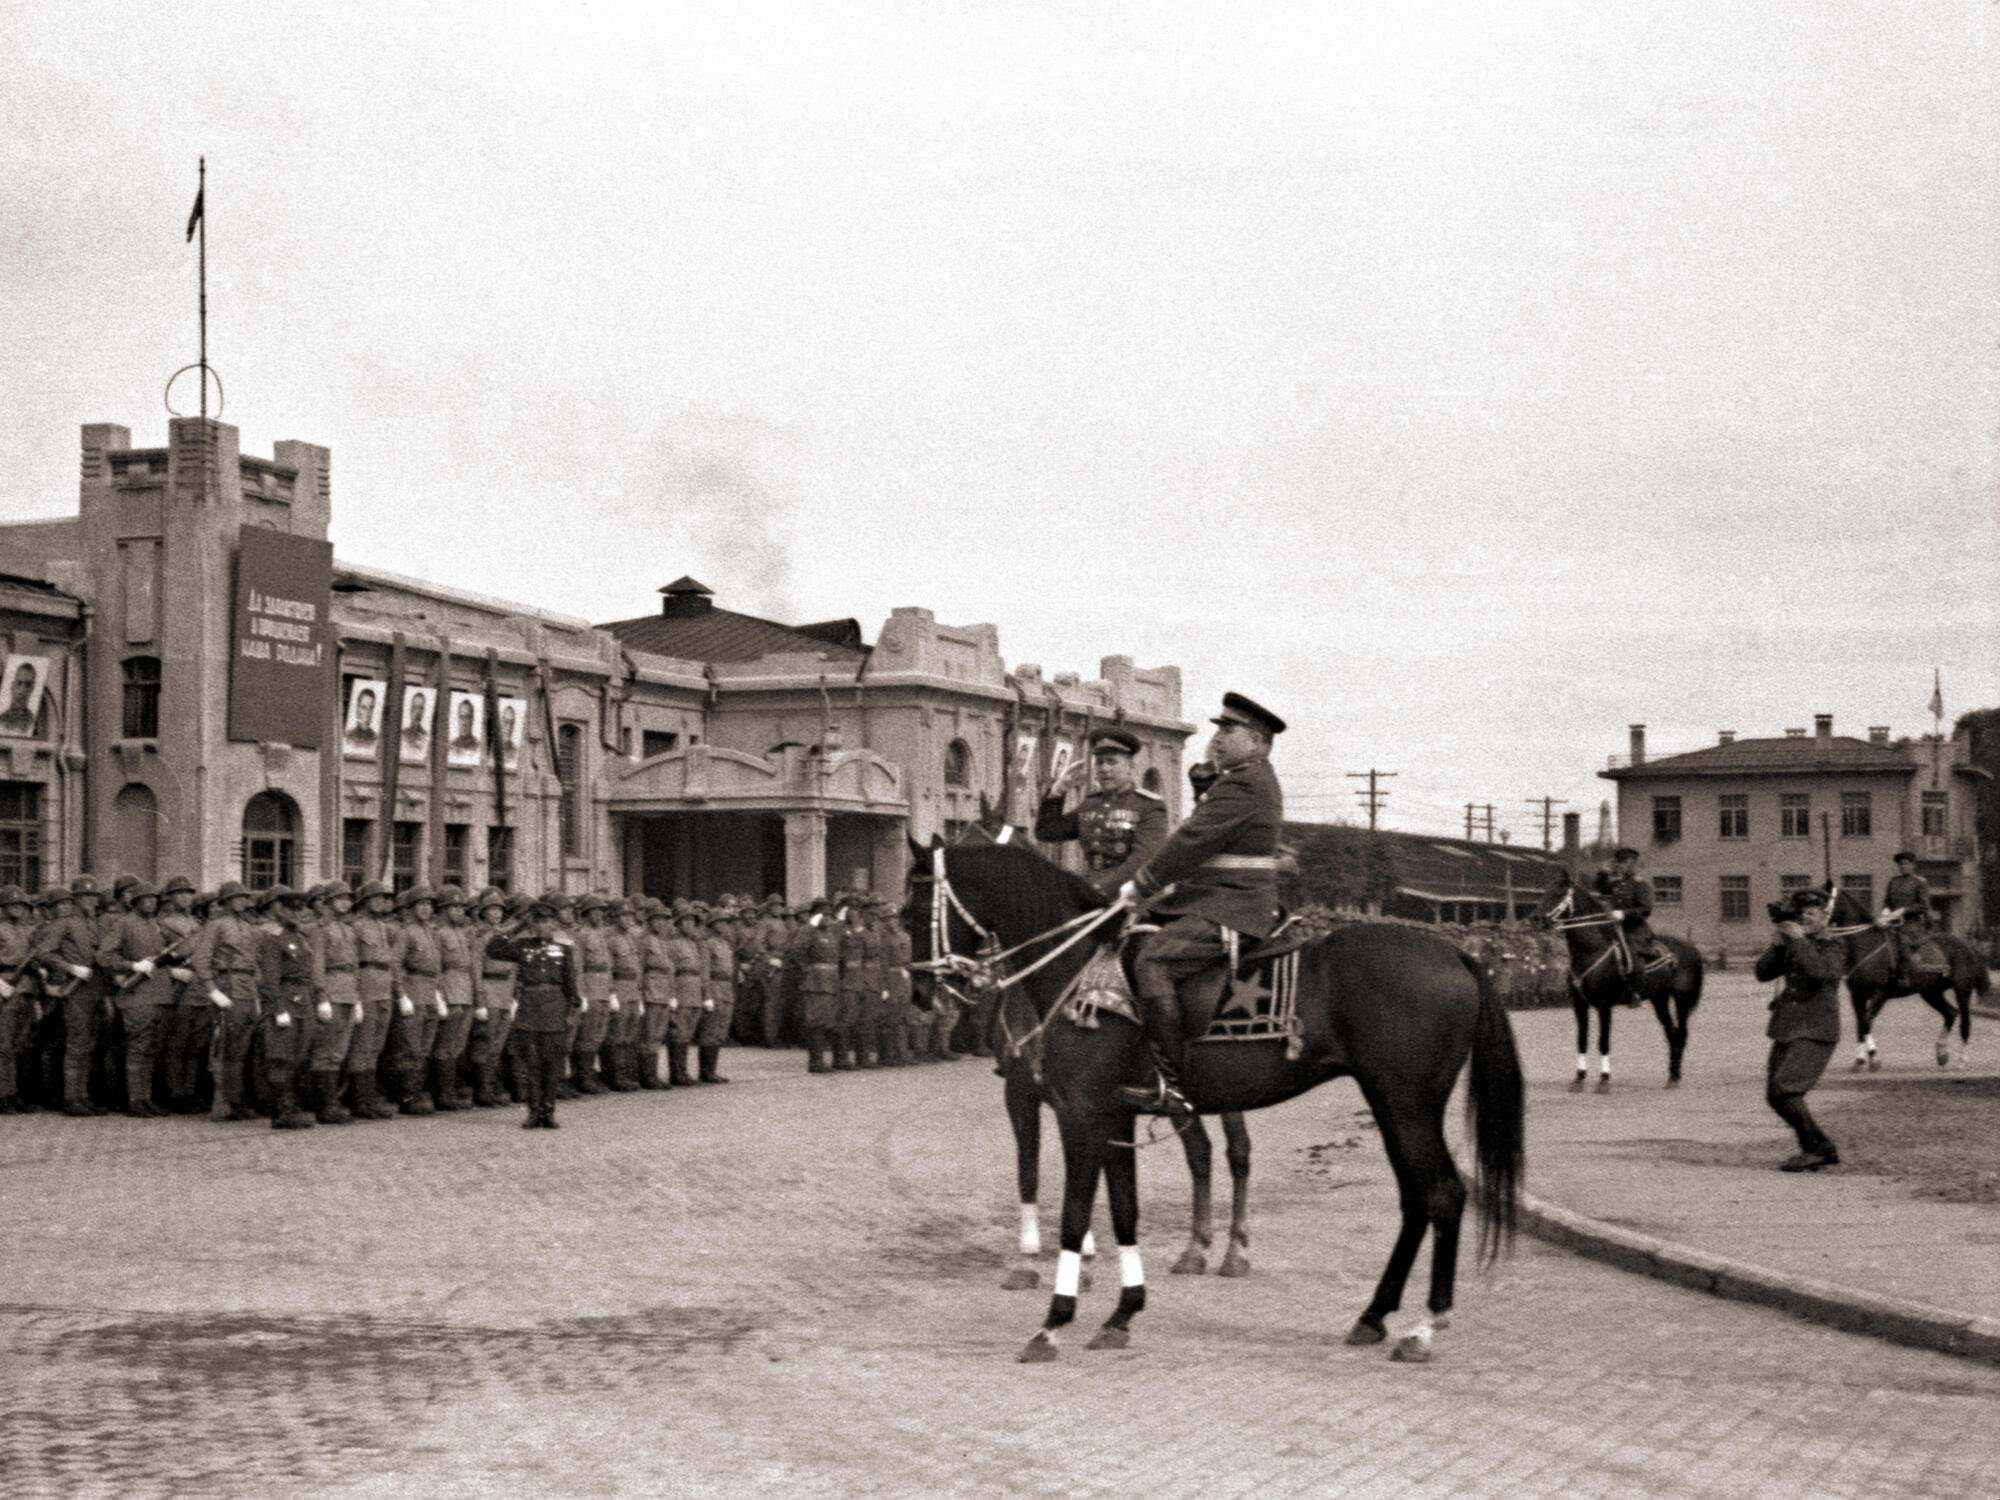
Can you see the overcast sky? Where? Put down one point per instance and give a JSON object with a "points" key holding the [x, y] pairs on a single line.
{"points": [[1465, 382]]}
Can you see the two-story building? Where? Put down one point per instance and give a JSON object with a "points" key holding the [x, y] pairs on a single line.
{"points": [[1725, 829]]}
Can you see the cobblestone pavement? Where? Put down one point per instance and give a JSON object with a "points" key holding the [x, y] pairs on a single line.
{"points": [[790, 1286]]}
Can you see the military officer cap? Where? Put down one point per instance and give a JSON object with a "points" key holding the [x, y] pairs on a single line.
{"points": [[1237, 709], [230, 890], [13, 895], [449, 895], [1111, 738], [1903, 854], [176, 883], [370, 888], [1624, 851], [415, 894], [139, 888], [542, 906]]}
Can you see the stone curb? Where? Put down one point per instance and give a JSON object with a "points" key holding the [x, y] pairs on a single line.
{"points": [[1892, 1318]]}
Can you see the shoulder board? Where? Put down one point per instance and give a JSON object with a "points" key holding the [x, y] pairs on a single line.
{"points": [[1151, 796]]}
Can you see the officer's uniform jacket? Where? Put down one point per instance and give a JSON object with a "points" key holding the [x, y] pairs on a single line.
{"points": [[544, 977], [288, 975], [1222, 863], [853, 957], [16, 943], [454, 945], [126, 939], [593, 959], [225, 958], [179, 928], [1911, 895], [339, 962], [72, 940], [1808, 1008], [1118, 831], [871, 959], [1628, 894], [821, 971]]}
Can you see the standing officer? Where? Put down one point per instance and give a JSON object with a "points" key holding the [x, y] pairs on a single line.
{"points": [[131, 950], [1216, 874], [454, 940], [1119, 823], [493, 1003], [376, 982], [420, 1002], [224, 962], [896, 979], [1631, 901], [545, 984], [17, 1003], [1906, 911], [819, 989], [1805, 1020], [288, 990], [848, 1049]]}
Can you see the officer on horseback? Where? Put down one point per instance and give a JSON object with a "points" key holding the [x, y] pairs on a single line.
{"points": [[1631, 900], [1119, 823], [1906, 911], [1216, 874]]}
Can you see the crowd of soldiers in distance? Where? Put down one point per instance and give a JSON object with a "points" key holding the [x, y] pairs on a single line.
{"points": [[333, 1004]]}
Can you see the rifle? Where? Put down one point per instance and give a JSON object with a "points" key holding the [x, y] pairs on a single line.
{"points": [[172, 950]]}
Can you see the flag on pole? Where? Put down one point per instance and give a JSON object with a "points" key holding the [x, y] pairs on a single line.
{"points": [[1937, 694], [194, 218]]}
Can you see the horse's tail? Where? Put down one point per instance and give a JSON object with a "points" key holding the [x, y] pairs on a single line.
{"points": [[1495, 1117]]}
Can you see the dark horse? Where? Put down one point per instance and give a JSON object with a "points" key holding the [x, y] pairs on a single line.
{"points": [[1021, 1077], [1872, 981], [1399, 1009], [1596, 983]]}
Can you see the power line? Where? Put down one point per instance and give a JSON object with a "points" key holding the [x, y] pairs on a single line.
{"points": [[1548, 806], [1372, 797]]}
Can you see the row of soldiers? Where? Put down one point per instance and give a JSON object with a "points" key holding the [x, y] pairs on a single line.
{"points": [[362, 1003]]}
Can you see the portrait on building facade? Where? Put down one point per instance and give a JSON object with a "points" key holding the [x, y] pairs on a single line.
{"points": [[415, 733], [21, 685], [468, 730], [513, 726], [1060, 758], [361, 731]]}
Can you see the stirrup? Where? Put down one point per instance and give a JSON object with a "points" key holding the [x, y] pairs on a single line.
{"points": [[1160, 1097]]}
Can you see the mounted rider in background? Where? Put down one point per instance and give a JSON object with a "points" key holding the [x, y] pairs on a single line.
{"points": [[1906, 912], [1630, 898]]}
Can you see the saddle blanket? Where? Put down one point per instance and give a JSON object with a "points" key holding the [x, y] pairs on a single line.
{"points": [[1256, 1006]]}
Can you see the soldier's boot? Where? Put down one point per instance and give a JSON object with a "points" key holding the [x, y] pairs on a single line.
{"points": [[583, 1073], [326, 1084], [864, 1049], [710, 1056], [816, 1052], [444, 1087], [76, 1090], [627, 1058], [411, 1082], [368, 1105], [893, 1055], [677, 1065], [1163, 1095], [138, 1089], [287, 1115], [843, 1052], [649, 1069], [941, 1043], [485, 1086]]}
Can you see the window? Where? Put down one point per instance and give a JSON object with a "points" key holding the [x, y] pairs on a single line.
{"points": [[1736, 898], [142, 698], [654, 742], [403, 856], [1861, 888], [1666, 890], [270, 840], [1789, 883], [1856, 820], [357, 847], [958, 764], [1735, 809], [569, 771], [457, 838], [1666, 819], [1794, 815], [1934, 815], [21, 834], [500, 858]]}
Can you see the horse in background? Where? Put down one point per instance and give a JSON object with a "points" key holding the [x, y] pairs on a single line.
{"points": [[1399, 1010], [1872, 982], [1597, 979]]}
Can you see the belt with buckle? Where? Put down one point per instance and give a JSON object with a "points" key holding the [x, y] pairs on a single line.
{"points": [[1240, 862]]}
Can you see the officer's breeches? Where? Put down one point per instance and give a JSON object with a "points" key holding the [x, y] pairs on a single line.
{"points": [[488, 1041], [238, 1026], [542, 1054]]}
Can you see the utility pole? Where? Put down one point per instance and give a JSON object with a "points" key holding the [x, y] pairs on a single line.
{"points": [[1373, 798], [1548, 806], [1468, 820], [1489, 822]]}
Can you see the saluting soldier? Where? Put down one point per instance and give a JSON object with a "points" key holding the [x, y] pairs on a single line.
{"points": [[455, 979], [377, 981], [420, 1005], [494, 1002], [224, 962], [1906, 912], [17, 995], [133, 945], [288, 988], [545, 981], [621, 1052], [1216, 874], [1119, 823]]}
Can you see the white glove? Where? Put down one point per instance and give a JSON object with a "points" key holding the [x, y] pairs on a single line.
{"points": [[406, 1005], [582, 1006], [359, 1011], [443, 1010], [143, 968], [612, 1005], [513, 1009], [219, 1000], [479, 1013], [81, 971], [1618, 916], [182, 976], [708, 1005], [1129, 893], [673, 1005], [284, 1018], [6, 990], [324, 1010]]}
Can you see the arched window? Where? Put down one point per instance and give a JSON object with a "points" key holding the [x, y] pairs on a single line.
{"points": [[142, 697], [1151, 781], [136, 814], [958, 764], [270, 840]]}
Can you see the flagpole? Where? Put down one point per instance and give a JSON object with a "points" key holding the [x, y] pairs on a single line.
{"points": [[201, 200]]}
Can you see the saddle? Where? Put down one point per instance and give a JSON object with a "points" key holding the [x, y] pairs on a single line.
{"points": [[1253, 1000]]}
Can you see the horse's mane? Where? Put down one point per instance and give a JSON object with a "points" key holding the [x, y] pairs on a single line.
{"points": [[1036, 893]]}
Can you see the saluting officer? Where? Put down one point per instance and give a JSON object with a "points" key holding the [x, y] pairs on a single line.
{"points": [[1119, 823], [545, 985], [1217, 873]]}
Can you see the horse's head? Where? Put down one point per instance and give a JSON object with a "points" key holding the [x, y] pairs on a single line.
{"points": [[965, 896], [1563, 899]]}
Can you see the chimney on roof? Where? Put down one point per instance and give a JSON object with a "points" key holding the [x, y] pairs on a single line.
{"points": [[1572, 834], [1878, 734], [1725, 737], [1638, 744], [685, 598], [1822, 734]]}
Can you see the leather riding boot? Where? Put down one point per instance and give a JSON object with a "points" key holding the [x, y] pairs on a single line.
{"points": [[941, 1043], [326, 1084], [288, 1115], [367, 1102], [677, 1065], [444, 1089], [583, 1073], [843, 1052], [710, 1056], [628, 1068], [1164, 1037], [649, 1068], [415, 1100]]}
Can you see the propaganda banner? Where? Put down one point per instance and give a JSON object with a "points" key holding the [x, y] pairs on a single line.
{"points": [[468, 730], [414, 736], [281, 649], [362, 737]]}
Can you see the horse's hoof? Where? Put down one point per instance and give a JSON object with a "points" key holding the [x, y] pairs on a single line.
{"points": [[1039, 1351], [1874, 1062], [1673, 1083], [1576, 1084], [1943, 1055], [1191, 1263], [1020, 1279], [1234, 1265], [1366, 1331], [1108, 1337], [1861, 1065], [1411, 1350], [1604, 1084]]}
